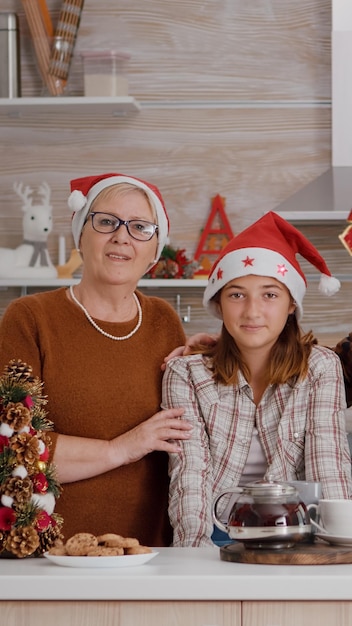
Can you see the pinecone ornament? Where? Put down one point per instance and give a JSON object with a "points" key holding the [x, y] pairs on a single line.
{"points": [[50, 537], [17, 489], [17, 416], [19, 371], [27, 451], [22, 541]]}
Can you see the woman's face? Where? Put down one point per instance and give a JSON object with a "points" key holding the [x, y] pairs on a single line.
{"points": [[116, 257], [255, 311]]}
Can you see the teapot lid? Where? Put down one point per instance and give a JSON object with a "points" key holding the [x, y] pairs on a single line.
{"points": [[269, 487]]}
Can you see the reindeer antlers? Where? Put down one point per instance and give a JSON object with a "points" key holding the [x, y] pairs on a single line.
{"points": [[24, 195], [44, 192]]}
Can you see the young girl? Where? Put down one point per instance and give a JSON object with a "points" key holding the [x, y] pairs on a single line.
{"points": [[265, 399]]}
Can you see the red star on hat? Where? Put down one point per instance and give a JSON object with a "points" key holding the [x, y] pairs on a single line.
{"points": [[282, 269], [247, 261]]}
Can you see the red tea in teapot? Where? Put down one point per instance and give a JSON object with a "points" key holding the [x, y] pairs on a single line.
{"points": [[264, 524], [268, 514]]}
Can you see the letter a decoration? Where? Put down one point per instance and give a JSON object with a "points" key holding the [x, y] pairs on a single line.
{"points": [[216, 234]]}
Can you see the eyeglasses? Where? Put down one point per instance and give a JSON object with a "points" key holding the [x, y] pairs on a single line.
{"points": [[107, 223]]}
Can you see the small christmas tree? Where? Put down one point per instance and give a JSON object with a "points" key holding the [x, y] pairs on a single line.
{"points": [[28, 484]]}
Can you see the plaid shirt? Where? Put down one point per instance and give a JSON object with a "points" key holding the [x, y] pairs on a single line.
{"points": [[300, 425]]}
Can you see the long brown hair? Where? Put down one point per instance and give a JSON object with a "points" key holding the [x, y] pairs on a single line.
{"points": [[288, 357]]}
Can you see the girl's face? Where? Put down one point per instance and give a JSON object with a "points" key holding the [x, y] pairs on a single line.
{"points": [[117, 257], [255, 310]]}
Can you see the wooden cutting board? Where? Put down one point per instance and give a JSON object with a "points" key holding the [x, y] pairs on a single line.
{"points": [[304, 554]]}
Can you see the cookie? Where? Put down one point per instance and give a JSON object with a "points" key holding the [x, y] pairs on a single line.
{"points": [[138, 550], [111, 540], [58, 551], [79, 544], [130, 542], [105, 551]]}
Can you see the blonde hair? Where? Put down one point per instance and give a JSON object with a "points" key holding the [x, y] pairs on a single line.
{"points": [[121, 189]]}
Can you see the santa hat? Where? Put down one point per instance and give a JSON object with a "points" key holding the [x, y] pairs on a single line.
{"points": [[85, 190], [268, 248]]}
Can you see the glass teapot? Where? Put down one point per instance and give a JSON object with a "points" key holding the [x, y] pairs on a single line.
{"points": [[266, 514]]}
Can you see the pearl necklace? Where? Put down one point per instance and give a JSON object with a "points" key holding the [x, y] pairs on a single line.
{"points": [[100, 330]]}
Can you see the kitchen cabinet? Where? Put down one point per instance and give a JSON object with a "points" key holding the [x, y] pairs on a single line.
{"points": [[294, 613], [180, 613], [121, 613]]}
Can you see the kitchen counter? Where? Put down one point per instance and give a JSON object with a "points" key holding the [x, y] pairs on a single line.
{"points": [[175, 574]]}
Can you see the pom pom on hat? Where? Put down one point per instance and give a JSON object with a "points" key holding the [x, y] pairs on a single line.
{"points": [[76, 201], [268, 248], [85, 190], [329, 285]]}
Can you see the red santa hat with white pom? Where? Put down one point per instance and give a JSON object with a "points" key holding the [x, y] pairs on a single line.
{"points": [[268, 248], [85, 190]]}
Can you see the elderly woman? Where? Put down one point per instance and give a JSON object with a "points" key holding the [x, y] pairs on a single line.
{"points": [[98, 347]]}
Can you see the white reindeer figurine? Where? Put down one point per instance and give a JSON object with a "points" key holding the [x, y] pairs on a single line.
{"points": [[31, 259]]}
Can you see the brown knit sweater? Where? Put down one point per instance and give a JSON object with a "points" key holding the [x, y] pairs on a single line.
{"points": [[99, 388]]}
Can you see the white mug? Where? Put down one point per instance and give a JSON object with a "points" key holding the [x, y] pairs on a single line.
{"points": [[335, 517], [309, 491]]}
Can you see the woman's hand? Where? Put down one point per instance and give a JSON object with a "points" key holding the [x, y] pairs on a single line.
{"points": [[78, 458], [162, 431], [191, 342]]}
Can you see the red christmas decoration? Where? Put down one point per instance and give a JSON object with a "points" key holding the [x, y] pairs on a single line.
{"points": [[216, 234], [346, 238]]}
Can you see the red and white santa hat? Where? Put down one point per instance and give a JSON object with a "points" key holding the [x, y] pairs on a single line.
{"points": [[85, 190], [268, 248]]}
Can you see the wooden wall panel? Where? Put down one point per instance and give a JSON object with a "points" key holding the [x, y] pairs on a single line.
{"points": [[206, 49], [252, 157]]}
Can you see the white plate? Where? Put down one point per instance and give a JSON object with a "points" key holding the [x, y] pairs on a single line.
{"points": [[127, 560], [335, 540]]}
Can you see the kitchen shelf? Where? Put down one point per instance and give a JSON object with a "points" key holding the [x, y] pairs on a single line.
{"points": [[185, 283], [69, 105], [61, 282], [173, 282], [5, 283]]}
